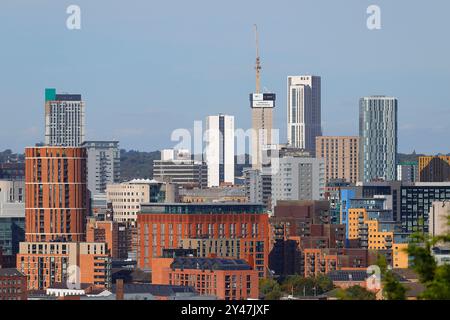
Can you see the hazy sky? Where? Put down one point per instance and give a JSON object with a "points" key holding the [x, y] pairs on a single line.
{"points": [[147, 67]]}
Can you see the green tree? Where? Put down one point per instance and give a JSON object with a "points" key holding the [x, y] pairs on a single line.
{"points": [[356, 293], [324, 283], [392, 288], [273, 295], [300, 286], [436, 279], [270, 289]]}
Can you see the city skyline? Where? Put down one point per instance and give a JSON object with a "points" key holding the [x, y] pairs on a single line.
{"points": [[280, 175], [126, 81]]}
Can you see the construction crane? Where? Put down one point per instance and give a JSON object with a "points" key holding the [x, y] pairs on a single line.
{"points": [[258, 62]]}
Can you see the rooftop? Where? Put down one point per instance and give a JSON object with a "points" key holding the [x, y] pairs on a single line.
{"points": [[143, 181], [154, 289], [63, 286], [194, 263], [348, 275], [202, 208], [11, 272], [214, 192], [68, 97]]}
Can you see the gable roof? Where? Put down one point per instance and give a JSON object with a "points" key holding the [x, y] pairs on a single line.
{"points": [[11, 272]]}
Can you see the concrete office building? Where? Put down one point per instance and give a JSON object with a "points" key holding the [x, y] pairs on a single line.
{"points": [[434, 169], [103, 164], [216, 194], [177, 166], [64, 119], [126, 198], [258, 187], [304, 111], [341, 155], [298, 178], [12, 219], [219, 151], [378, 138], [12, 198], [253, 185], [438, 218], [416, 201]]}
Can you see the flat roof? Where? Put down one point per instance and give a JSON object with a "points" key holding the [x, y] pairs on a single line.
{"points": [[196, 263], [205, 204], [199, 208], [154, 289]]}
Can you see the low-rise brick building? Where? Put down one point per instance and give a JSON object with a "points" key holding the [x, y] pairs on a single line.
{"points": [[227, 279], [13, 285]]}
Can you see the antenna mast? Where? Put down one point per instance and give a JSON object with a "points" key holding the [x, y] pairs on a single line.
{"points": [[258, 62]]}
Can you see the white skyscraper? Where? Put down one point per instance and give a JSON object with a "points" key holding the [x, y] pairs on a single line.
{"points": [[64, 119], [304, 111], [219, 150]]}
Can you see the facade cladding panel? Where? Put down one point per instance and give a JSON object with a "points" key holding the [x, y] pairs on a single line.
{"points": [[56, 194], [227, 279], [378, 138], [165, 226], [416, 202], [64, 119]]}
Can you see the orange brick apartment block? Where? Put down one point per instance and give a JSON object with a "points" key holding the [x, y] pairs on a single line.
{"points": [[56, 198], [104, 231], [164, 226], [47, 263], [341, 157], [55, 222], [323, 261], [227, 279]]}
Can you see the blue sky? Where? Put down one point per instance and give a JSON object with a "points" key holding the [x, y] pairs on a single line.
{"points": [[147, 67]]}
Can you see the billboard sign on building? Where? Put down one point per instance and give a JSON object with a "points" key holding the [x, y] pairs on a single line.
{"points": [[262, 100]]}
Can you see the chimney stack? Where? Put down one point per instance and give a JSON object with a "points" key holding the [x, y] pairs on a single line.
{"points": [[119, 289]]}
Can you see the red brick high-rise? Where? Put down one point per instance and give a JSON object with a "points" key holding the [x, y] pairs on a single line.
{"points": [[56, 208], [56, 194], [165, 226]]}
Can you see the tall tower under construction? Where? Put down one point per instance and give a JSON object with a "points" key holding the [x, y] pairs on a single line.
{"points": [[262, 105]]}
